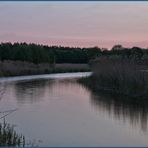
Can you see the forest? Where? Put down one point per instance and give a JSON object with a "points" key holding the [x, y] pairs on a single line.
{"points": [[36, 53], [46, 54]]}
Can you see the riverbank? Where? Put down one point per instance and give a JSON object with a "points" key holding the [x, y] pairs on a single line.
{"points": [[118, 77], [46, 76], [19, 68]]}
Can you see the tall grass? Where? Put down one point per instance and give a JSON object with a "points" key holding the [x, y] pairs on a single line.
{"points": [[9, 137], [17, 68], [119, 76]]}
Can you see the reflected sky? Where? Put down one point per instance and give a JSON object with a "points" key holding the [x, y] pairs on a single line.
{"points": [[84, 24]]}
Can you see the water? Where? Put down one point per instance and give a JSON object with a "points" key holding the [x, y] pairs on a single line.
{"points": [[55, 110]]}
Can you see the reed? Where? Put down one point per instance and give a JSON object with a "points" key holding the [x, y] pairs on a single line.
{"points": [[18, 68], [119, 76], [9, 137]]}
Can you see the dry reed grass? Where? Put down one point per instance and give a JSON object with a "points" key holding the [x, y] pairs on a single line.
{"points": [[120, 76]]}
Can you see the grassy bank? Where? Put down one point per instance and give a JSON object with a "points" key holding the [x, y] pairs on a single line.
{"points": [[18, 68], [117, 76]]}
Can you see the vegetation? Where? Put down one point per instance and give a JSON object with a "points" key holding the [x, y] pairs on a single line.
{"points": [[120, 75], [44, 54], [26, 59], [37, 54], [9, 137], [17, 68]]}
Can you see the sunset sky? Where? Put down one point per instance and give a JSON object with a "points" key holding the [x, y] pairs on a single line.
{"points": [[83, 24]]}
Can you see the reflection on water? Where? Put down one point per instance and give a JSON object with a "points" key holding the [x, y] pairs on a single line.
{"points": [[136, 114], [33, 91], [30, 91], [62, 112]]}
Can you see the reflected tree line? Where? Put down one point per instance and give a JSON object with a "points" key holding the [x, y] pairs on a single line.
{"points": [[30, 91], [124, 109], [136, 114]]}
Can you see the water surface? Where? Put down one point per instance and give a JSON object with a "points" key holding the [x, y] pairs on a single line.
{"points": [[55, 110]]}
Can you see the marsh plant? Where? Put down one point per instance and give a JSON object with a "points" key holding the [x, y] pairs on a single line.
{"points": [[120, 76], [9, 137]]}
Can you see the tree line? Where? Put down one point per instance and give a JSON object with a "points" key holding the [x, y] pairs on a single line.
{"points": [[57, 54], [46, 54]]}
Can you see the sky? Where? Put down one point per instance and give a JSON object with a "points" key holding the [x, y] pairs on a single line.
{"points": [[75, 24]]}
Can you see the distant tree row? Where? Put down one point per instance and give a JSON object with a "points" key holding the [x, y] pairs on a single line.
{"points": [[130, 53], [57, 54], [46, 54]]}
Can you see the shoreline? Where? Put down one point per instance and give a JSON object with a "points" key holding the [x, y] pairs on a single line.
{"points": [[46, 76], [118, 95], [19, 68]]}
